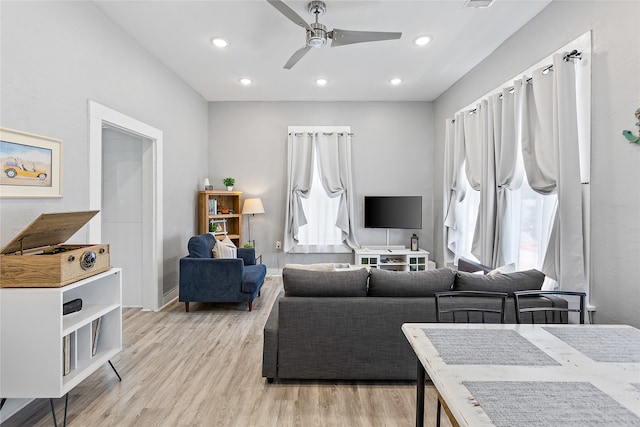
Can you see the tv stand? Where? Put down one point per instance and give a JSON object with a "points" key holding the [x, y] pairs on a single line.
{"points": [[392, 258]]}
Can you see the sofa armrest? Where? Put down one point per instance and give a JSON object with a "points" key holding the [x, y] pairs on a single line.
{"points": [[270, 343]]}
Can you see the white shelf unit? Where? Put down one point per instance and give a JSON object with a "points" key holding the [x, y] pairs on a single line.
{"points": [[33, 328], [393, 259]]}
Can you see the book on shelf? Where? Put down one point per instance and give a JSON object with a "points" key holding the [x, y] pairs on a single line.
{"points": [[66, 354], [95, 328], [213, 206]]}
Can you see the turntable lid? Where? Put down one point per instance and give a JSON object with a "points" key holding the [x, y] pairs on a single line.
{"points": [[49, 229]]}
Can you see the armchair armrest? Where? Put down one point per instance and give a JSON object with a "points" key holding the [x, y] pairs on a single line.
{"points": [[248, 255], [202, 279]]}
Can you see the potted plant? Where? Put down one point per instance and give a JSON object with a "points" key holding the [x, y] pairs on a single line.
{"points": [[229, 183]]}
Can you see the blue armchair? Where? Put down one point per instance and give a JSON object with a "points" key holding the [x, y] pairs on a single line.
{"points": [[207, 279]]}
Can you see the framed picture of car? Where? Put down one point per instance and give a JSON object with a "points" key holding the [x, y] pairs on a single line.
{"points": [[31, 165]]}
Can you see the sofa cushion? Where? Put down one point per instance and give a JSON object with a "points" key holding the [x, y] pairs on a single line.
{"points": [[509, 282], [383, 283], [308, 283], [253, 278], [201, 246]]}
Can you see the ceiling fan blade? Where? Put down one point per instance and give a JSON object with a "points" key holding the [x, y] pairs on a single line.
{"points": [[290, 13], [343, 37], [297, 56]]}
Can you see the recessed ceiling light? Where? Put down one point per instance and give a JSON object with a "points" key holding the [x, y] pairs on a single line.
{"points": [[422, 40], [395, 81], [245, 81], [321, 82], [220, 42]]}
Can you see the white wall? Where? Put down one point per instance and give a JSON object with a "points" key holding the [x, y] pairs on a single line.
{"points": [[615, 171], [58, 55], [392, 154]]}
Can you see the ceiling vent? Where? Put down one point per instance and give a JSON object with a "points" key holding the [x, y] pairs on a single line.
{"points": [[476, 4]]}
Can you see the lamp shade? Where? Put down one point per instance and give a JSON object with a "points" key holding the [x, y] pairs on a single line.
{"points": [[252, 206]]}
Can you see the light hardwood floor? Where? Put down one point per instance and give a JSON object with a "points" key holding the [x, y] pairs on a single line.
{"points": [[203, 368]]}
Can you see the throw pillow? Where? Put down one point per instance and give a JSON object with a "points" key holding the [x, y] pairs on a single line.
{"points": [[225, 249], [309, 283], [383, 283], [510, 282]]}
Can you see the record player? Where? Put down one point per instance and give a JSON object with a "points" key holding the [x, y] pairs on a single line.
{"points": [[37, 258]]}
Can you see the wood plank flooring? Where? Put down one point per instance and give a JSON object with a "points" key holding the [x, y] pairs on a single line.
{"points": [[203, 368]]}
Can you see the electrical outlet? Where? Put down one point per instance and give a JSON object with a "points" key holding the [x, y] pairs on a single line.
{"points": [[278, 244]]}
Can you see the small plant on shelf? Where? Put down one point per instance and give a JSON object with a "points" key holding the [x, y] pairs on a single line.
{"points": [[228, 182], [248, 245]]}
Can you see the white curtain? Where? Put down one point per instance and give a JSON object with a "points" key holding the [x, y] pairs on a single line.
{"points": [[300, 159], [333, 151], [480, 169], [564, 260], [552, 161], [454, 185], [506, 108], [334, 155], [473, 153], [540, 120]]}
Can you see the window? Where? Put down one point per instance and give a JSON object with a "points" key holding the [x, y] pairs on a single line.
{"points": [[319, 211], [534, 214]]}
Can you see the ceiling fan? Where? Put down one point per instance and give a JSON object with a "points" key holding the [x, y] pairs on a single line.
{"points": [[317, 33]]}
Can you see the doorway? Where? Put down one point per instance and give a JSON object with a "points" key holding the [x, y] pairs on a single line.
{"points": [[124, 207], [126, 186]]}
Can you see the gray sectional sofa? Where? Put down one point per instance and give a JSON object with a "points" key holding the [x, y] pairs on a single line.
{"points": [[345, 325]]}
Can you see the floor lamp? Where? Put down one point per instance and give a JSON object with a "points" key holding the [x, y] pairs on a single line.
{"points": [[252, 207]]}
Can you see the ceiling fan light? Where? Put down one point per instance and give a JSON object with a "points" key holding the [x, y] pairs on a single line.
{"points": [[321, 82], [219, 42], [422, 40], [245, 81], [395, 81]]}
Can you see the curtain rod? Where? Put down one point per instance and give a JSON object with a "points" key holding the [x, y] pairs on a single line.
{"points": [[324, 133], [574, 54]]}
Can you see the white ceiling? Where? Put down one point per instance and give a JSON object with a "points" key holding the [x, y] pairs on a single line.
{"points": [[179, 34]]}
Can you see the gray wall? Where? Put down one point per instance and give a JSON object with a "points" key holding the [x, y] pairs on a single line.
{"points": [[392, 153], [58, 55], [615, 171]]}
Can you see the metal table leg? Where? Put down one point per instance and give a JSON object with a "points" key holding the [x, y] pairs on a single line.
{"points": [[114, 370], [420, 396], [53, 411]]}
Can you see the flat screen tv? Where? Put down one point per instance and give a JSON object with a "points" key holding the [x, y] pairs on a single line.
{"points": [[393, 212]]}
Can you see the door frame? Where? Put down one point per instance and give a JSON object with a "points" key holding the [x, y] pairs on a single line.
{"points": [[152, 271]]}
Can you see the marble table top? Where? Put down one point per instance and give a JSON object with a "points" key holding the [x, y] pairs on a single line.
{"points": [[525, 375]]}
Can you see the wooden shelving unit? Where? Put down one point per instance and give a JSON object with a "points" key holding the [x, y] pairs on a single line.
{"points": [[224, 200]]}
